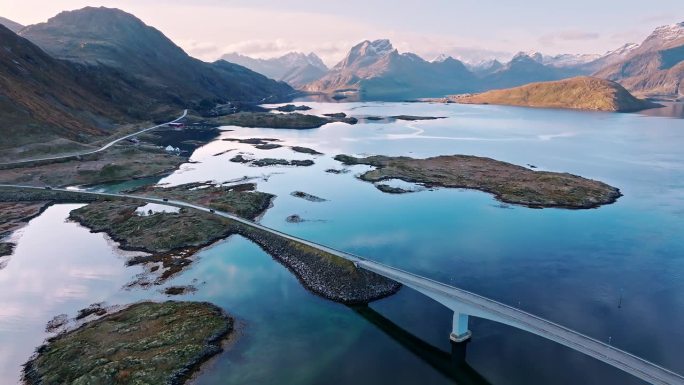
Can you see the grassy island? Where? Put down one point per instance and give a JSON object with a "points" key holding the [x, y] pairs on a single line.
{"points": [[508, 182], [146, 343]]}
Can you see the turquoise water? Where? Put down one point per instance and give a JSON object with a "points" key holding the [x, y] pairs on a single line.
{"points": [[571, 267]]}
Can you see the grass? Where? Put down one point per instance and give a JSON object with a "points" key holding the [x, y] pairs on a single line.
{"points": [[146, 343], [582, 93], [508, 182]]}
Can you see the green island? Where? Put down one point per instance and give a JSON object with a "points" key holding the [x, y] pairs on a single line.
{"points": [[508, 182], [146, 343]]}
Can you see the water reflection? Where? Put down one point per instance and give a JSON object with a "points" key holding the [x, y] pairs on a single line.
{"points": [[670, 110], [58, 267], [453, 365]]}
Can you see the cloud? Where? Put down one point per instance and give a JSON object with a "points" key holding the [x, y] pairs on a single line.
{"points": [[567, 36]]}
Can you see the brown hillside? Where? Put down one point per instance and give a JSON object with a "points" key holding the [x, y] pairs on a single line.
{"points": [[581, 93]]}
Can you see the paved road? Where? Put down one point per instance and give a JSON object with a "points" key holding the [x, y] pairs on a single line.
{"points": [[106, 146], [479, 306]]}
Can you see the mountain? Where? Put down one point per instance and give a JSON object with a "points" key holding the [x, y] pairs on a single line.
{"points": [[608, 58], [294, 68], [375, 70], [485, 68], [655, 67], [583, 93], [11, 25], [43, 99], [113, 40], [525, 68], [569, 60]]}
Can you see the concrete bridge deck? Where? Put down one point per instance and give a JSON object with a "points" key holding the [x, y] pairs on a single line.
{"points": [[463, 303]]}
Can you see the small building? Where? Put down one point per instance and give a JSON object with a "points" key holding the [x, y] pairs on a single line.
{"points": [[176, 125], [172, 150]]}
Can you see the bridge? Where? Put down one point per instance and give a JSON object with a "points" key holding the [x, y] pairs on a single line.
{"points": [[464, 304]]}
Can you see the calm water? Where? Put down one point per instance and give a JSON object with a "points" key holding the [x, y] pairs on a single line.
{"points": [[571, 267]]}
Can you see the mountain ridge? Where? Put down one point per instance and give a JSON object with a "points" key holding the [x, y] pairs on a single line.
{"points": [[10, 24], [43, 97], [294, 68], [376, 70], [109, 37], [653, 68]]}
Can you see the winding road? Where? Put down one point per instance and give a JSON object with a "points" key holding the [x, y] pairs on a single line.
{"points": [[106, 146], [452, 297]]}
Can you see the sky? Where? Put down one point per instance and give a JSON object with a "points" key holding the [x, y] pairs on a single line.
{"points": [[472, 30]]}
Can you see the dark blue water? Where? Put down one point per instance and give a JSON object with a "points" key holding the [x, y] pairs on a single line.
{"points": [[571, 267]]}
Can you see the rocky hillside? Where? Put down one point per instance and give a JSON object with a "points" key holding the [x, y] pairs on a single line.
{"points": [[654, 68], [582, 93], [375, 70], [294, 68], [11, 25], [115, 40], [45, 99]]}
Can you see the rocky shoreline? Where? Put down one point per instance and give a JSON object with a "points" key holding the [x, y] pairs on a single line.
{"points": [[321, 273]]}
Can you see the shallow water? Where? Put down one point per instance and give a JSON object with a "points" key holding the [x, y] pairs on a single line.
{"points": [[571, 266]]}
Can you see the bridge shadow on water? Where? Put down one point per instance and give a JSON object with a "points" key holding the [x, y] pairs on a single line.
{"points": [[451, 364]]}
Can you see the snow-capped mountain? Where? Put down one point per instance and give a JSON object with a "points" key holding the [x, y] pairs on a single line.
{"points": [[523, 68], [536, 56], [667, 33], [440, 58], [295, 68], [376, 70], [654, 67], [569, 60], [486, 67]]}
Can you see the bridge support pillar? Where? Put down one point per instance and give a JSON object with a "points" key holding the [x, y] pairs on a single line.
{"points": [[459, 330]]}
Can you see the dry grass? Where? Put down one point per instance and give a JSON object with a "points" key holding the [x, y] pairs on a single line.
{"points": [[508, 182], [582, 93], [147, 343]]}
